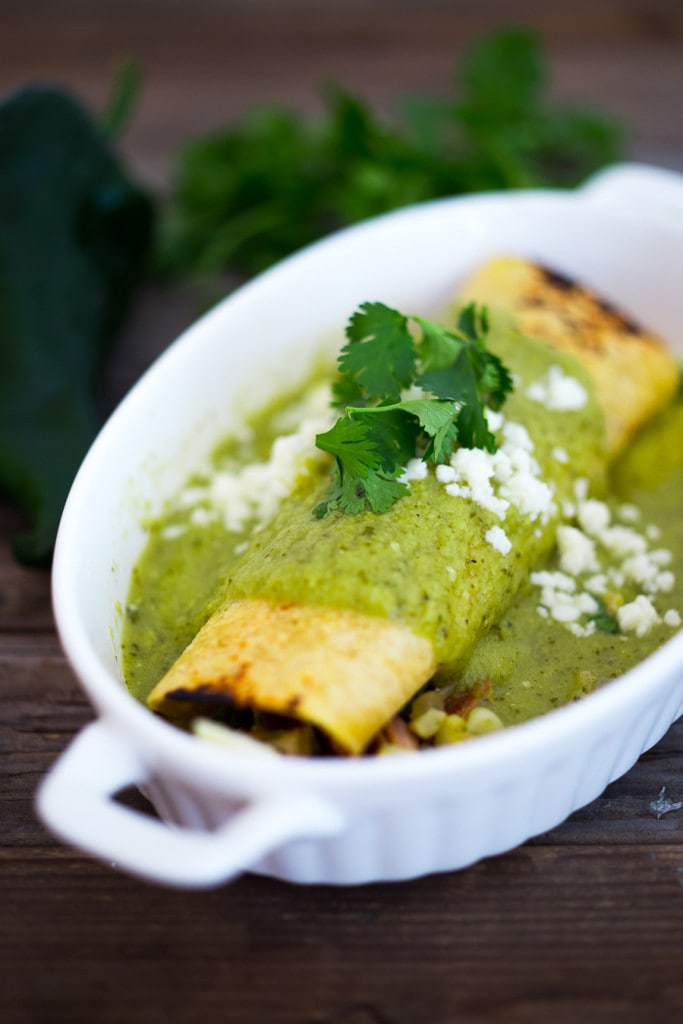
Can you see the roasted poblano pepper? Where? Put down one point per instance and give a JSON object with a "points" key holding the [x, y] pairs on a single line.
{"points": [[74, 237]]}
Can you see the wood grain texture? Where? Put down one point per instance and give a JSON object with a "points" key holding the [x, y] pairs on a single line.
{"points": [[584, 923], [205, 66]]}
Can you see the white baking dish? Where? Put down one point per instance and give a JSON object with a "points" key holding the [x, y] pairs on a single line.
{"points": [[326, 820]]}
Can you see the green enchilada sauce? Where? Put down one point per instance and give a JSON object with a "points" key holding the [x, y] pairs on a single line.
{"points": [[403, 564], [537, 665]]}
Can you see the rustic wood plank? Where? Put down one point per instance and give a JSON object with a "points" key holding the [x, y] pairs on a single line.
{"points": [[519, 937]]}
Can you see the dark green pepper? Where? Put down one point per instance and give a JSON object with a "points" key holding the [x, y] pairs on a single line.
{"points": [[74, 238]]}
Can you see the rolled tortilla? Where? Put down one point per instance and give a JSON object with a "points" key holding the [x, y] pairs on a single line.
{"points": [[634, 373], [320, 665], [335, 644]]}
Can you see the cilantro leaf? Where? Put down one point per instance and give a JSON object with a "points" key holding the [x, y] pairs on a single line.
{"points": [[496, 381], [350, 442], [460, 382], [367, 466], [438, 420], [473, 322], [432, 414], [474, 377], [379, 355], [438, 346], [394, 432], [353, 496], [373, 440]]}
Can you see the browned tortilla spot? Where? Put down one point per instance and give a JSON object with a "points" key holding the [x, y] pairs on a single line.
{"points": [[633, 372], [332, 667]]}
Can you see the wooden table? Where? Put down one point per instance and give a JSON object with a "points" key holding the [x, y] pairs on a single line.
{"points": [[584, 923]]}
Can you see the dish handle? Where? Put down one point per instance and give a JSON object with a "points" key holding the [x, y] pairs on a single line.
{"points": [[644, 190], [76, 802]]}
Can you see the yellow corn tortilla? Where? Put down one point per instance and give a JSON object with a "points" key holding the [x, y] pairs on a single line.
{"points": [[634, 373], [327, 666]]}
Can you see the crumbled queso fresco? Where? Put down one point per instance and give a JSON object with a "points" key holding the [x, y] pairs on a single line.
{"points": [[252, 493], [558, 391], [495, 480], [598, 558]]}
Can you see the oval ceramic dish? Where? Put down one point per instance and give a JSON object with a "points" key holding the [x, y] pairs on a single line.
{"points": [[325, 820]]}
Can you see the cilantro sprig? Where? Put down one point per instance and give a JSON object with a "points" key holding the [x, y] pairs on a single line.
{"points": [[256, 189], [388, 354]]}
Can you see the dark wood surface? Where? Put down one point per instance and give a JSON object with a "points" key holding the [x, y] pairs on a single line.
{"points": [[584, 923]]}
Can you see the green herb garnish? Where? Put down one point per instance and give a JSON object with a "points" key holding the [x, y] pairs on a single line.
{"points": [[605, 621], [253, 191], [381, 429]]}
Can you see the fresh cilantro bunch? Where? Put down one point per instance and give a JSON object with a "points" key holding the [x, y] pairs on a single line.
{"points": [[386, 356], [249, 194]]}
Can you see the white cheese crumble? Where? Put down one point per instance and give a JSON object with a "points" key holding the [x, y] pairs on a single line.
{"points": [[662, 805], [581, 489], [559, 599], [252, 493], [558, 391], [553, 580], [494, 419], [584, 549], [628, 513], [498, 539], [415, 469], [593, 516], [597, 584], [564, 607], [496, 480], [255, 491], [643, 569], [622, 541], [172, 531], [469, 475], [577, 551], [638, 616]]}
